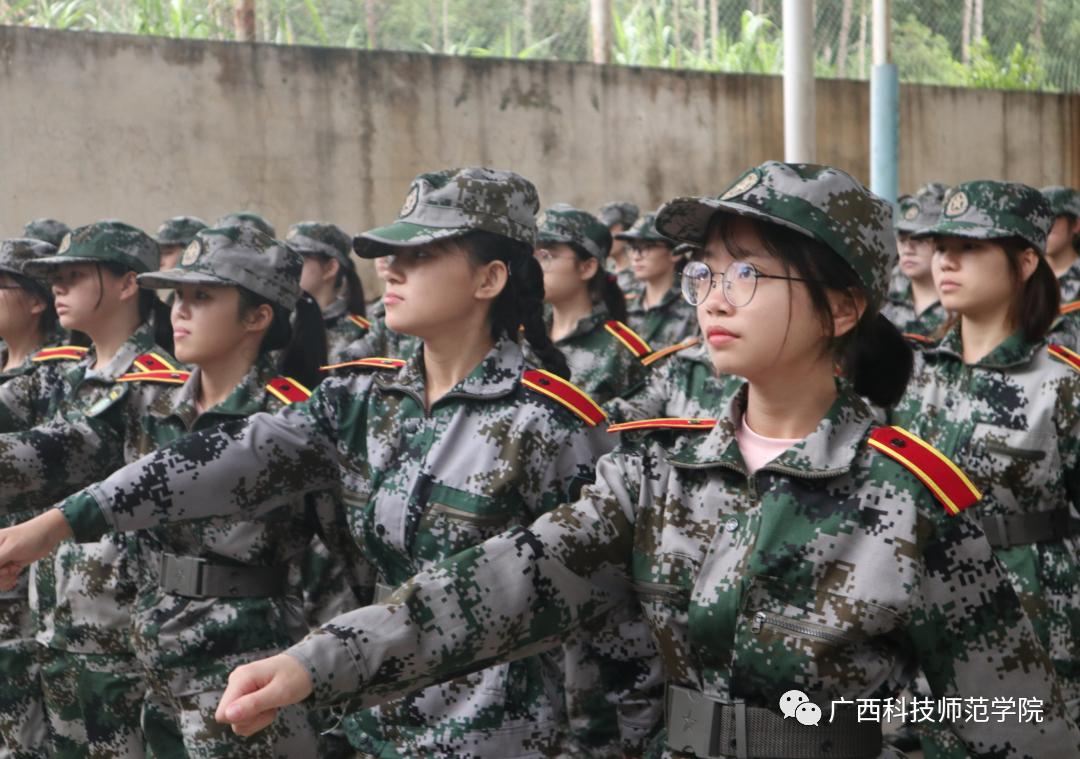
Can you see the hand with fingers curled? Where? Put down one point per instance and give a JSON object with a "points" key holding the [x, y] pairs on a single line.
{"points": [[25, 543], [256, 691]]}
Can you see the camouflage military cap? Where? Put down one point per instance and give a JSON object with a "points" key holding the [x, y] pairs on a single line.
{"points": [[987, 210], [820, 202], [453, 202], [686, 250], [619, 212], [179, 230], [237, 256], [310, 237], [1064, 201], [245, 219], [47, 230], [644, 230], [922, 209], [106, 241], [566, 224], [19, 251]]}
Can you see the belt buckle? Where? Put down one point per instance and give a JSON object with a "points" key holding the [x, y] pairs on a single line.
{"points": [[183, 575], [1003, 530], [693, 722]]}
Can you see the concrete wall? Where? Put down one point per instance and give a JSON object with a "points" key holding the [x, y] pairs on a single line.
{"points": [[137, 128]]}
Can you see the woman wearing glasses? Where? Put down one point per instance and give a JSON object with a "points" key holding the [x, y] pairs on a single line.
{"points": [[783, 579], [656, 310]]}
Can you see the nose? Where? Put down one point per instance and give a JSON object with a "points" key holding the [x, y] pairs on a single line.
{"points": [[394, 271], [946, 259]]}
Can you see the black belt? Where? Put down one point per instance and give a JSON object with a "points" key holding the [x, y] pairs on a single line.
{"points": [[709, 729], [1006, 530], [195, 577]]}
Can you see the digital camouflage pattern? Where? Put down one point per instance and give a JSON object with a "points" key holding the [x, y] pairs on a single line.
{"points": [[1064, 201], [101, 242], [188, 645], [820, 202], [239, 256], [379, 341], [562, 223], [179, 230], [922, 209], [1069, 282], [670, 321], [17, 252], [619, 212], [987, 210], [644, 230], [831, 570], [342, 330], [322, 238], [46, 230], [246, 219], [452, 202], [419, 486], [1012, 423], [899, 308]]}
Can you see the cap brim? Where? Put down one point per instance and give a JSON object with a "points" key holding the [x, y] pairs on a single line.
{"points": [[40, 266], [693, 215], [639, 236], [401, 234], [550, 237], [172, 278], [963, 229]]}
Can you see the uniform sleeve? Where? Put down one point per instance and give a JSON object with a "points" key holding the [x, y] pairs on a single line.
{"points": [[515, 595], [372, 344], [244, 468], [25, 400], [647, 399], [975, 644]]}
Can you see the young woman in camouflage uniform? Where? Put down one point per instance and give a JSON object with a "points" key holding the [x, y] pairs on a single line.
{"points": [[829, 569], [435, 454], [1003, 402], [619, 216], [330, 277], [913, 304], [1063, 241], [82, 593], [215, 593], [655, 307]]}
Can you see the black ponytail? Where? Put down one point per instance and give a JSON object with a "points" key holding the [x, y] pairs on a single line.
{"points": [[300, 336], [151, 310], [604, 288], [520, 305], [873, 356], [48, 322], [348, 279]]}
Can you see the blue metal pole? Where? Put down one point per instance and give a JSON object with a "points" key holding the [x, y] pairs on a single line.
{"points": [[884, 130]]}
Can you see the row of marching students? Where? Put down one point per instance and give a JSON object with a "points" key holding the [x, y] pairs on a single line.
{"points": [[765, 533]]}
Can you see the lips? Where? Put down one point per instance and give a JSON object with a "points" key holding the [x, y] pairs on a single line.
{"points": [[718, 336], [391, 299]]}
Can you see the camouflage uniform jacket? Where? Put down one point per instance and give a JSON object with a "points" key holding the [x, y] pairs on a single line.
{"points": [[1070, 284], [82, 593], [1012, 423], [419, 486], [380, 340], [342, 328], [900, 310], [193, 643], [670, 321], [624, 278]]}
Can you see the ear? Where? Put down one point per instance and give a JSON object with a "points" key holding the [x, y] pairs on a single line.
{"points": [[37, 305], [258, 319], [847, 308], [491, 278], [1029, 262], [1075, 226], [587, 269], [330, 269], [129, 286]]}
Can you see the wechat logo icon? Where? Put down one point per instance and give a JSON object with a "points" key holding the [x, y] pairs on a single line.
{"points": [[796, 704]]}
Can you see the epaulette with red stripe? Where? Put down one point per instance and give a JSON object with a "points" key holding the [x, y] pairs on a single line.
{"points": [[287, 390], [565, 393], [664, 423], [153, 362], [655, 356], [60, 353], [914, 337], [359, 321], [1068, 308], [628, 337], [166, 376], [367, 363], [944, 478], [1063, 354]]}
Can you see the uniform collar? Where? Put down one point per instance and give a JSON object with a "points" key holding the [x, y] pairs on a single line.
{"points": [[1013, 351], [637, 305], [827, 451], [586, 324], [140, 342], [497, 374], [248, 397], [335, 310]]}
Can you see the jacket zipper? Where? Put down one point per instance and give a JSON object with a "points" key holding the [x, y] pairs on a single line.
{"points": [[805, 629]]}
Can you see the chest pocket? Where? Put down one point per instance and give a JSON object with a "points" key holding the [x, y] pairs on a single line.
{"points": [[453, 520], [796, 633], [1015, 466]]}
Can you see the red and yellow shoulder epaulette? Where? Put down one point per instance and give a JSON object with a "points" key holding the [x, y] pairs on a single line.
{"points": [[60, 353], [153, 362], [944, 478], [664, 423], [166, 376], [655, 356], [628, 337], [287, 390], [367, 363], [917, 338], [1068, 308], [632, 295], [566, 393], [359, 321], [1061, 353]]}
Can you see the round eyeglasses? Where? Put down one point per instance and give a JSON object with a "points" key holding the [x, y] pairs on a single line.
{"points": [[546, 258], [739, 282]]}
